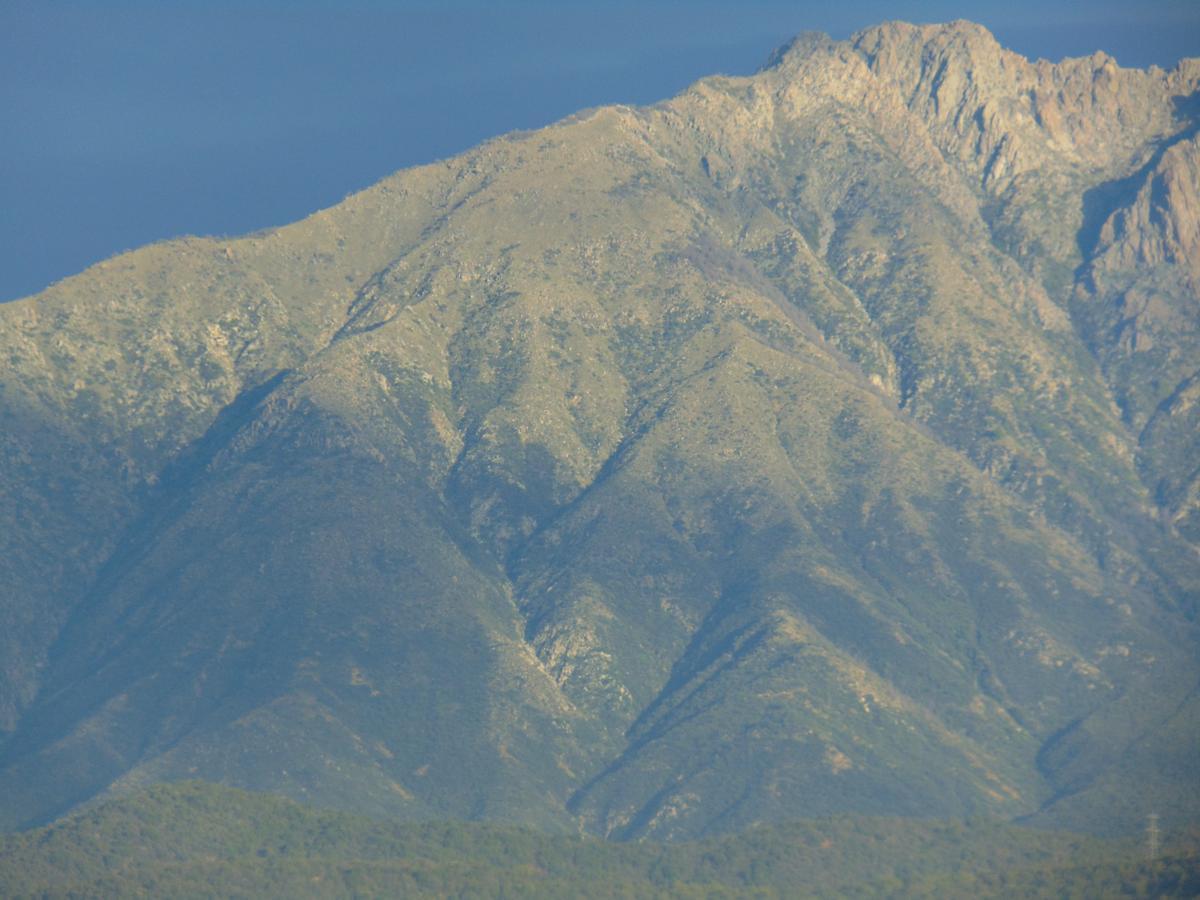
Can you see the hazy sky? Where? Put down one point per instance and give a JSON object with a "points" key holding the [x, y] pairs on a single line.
{"points": [[129, 122]]}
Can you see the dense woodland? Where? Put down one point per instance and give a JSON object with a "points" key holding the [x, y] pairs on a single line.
{"points": [[196, 839]]}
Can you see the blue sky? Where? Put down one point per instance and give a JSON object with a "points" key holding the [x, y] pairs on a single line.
{"points": [[130, 121]]}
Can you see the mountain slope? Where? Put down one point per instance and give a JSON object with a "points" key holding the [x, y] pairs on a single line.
{"points": [[772, 451]]}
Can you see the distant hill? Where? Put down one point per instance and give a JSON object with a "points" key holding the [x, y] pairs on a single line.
{"points": [[817, 443]]}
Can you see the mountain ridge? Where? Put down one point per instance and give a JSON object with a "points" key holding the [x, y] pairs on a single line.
{"points": [[771, 388]]}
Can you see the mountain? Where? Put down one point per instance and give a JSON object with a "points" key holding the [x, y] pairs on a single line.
{"points": [[817, 442]]}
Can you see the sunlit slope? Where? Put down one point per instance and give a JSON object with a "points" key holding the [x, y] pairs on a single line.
{"points": [[666, 471]]}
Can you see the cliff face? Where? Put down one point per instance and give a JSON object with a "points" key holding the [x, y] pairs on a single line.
{"points": [[817, 441]]}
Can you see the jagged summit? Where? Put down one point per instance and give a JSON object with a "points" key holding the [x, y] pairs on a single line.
{"points": [[970, 40], [819, 441]]}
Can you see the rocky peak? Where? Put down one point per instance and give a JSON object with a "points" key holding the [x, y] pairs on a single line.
{"points": [[1001, 115]]}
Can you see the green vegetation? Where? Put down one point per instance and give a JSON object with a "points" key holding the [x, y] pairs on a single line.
{"points": [[663, 473], [193, 839]]}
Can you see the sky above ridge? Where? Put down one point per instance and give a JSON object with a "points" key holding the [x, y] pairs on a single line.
{"points": [[130, 121]]}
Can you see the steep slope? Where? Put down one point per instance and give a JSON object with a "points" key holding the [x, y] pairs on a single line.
{"points": [[768, 452]]}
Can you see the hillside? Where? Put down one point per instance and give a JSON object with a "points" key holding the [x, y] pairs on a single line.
{"points": [[812, 443]]}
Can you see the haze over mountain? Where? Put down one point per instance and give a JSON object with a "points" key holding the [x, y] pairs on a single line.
{"points": [[820, 441]]}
